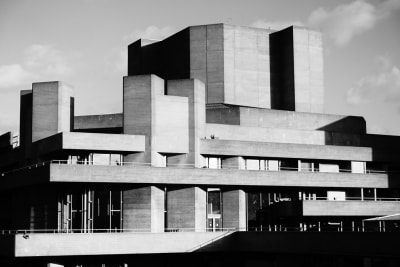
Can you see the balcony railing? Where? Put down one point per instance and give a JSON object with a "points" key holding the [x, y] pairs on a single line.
{"points": [[378, 226], [147, 164]]}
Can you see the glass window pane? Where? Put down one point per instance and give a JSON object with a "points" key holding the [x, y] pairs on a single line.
{"points": [[252, 164]]}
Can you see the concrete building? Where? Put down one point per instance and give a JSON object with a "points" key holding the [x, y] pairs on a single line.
{"points": [[222, 156]]}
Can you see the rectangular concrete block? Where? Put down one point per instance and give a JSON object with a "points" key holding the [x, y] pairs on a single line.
{"points": [[234, 209], [51, 109], [161, 118], [186, 209], [194, 90], [143, 209]]}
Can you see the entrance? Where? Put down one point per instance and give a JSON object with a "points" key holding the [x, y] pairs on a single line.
{"points": [[214, 207]]}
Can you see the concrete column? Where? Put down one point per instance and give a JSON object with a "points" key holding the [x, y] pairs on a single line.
{"points": [[143, 208], [52, 109], [194, 90], [233, 163], [234, 209], [186, 209]]}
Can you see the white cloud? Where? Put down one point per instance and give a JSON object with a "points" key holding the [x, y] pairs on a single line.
{"points": [[40, 63], [346, 21], [151, 32], [274, 25], [342, 23], [384, 86], [13, 75], [117, 60], [48, 60]]}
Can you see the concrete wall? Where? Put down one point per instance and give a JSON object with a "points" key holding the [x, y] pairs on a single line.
{"points": [[246, 66], [350, 208], [215, 177], [102, 123], [269, 118], [284, 150], [308, 70], [194, 90], [186, 209], [162, 119], [143, 209], [297, 70], [89, 142], [104, 243], [234, 210], [51, 109]]}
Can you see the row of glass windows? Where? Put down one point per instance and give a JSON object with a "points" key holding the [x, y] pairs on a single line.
{"points": [[288, 165], [261, 164]]}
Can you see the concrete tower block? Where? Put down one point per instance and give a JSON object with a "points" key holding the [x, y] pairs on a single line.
{"points": [[52, 109], [234, 209], [246, 66], [161, 118], [194, 90], [308, 70], [144, 209], [186, 209]]}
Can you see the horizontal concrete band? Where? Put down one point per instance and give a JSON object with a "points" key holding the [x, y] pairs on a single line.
{"points": [[337, 208], [203, 176], [91, 141], [350, 208], [282, 150], [34, 245]]}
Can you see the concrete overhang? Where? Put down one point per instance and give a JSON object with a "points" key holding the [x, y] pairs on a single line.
{"points": [[203, 176], [91, 142], [284, 150], [337, 208], [77, 244]]}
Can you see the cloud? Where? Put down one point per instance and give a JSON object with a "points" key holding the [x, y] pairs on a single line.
{"points": [[117, 60], [13, 75], [151, 32], [384, 86], [48, 60], [274, 25], [40, 62], [344, 22]]}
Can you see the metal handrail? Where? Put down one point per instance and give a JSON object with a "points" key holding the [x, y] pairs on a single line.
{"points": [[336, 227]]}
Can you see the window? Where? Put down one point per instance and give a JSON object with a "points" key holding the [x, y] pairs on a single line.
{"points": [[213, 162]]}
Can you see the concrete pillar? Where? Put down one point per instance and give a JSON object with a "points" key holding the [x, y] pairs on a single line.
{"points": [[52, 109], [194, 90], [186, 209], [233, 163], [143, 209], [234, 209], [162, 119]]}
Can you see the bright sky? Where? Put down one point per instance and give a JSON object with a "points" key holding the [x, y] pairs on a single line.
{"points": [[83, 43]]}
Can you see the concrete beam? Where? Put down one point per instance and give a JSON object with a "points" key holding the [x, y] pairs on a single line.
{"points": [[284, 150], [203, 176]]}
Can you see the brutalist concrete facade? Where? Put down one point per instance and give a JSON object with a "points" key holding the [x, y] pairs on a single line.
{"points": [[222, 134]]}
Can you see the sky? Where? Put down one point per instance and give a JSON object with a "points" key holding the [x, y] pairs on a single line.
{"points": [[84, 44]]}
